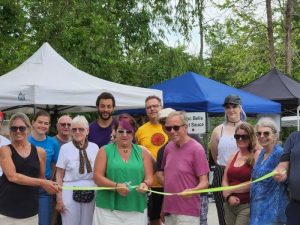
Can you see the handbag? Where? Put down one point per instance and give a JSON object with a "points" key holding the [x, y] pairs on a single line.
{"points": [[85, 196]]}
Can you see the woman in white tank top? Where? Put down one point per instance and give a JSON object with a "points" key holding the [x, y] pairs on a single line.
{"points": [[223, 145]]}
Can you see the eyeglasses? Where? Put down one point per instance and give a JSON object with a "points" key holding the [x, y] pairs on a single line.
{"points": [[175, 128], [242, 137], [265, 133], [80, 129], [231, 106], [20, 128], [124, 131], [153, 106], [65, 124]]}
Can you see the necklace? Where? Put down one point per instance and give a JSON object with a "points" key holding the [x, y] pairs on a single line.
{"points": [[233, 122], [125, 150]]}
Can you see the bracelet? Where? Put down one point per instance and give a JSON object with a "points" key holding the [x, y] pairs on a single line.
{"points": [[146, 184], [227, 198], [116, 185]]}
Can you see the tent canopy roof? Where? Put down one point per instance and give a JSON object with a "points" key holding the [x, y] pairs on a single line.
{"points": [[193, 92], [48, 81], [278, 87]]}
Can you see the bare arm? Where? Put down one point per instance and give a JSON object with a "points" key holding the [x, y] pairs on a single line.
{"points": [[203, 184], [60, 173], [42, 158], [148, 168], [160, 177], [99, 174], [282, 170], [10, 171], [214, 141], [225, 181]]}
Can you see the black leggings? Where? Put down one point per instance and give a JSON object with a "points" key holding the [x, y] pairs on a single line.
{"points": [[218, 196]]}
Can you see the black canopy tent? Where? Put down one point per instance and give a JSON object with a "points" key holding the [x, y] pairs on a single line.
{"points": [[278, 87]]}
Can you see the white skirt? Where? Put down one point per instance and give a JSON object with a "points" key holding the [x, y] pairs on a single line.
{"points": [[5, 220], [116, 217]]}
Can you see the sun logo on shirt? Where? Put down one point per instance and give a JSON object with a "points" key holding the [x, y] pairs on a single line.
{"points": [[158, 139]]}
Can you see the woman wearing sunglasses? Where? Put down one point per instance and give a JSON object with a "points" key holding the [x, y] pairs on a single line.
{"points": [[127, 168], [223, 145], [75, 168], [23, 167], [237, 171], [268, 197]]}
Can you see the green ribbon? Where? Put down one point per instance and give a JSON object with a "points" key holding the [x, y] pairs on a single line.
{"points": [[216, 189]]}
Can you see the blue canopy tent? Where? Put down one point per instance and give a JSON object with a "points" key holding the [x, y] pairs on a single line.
{"points": [[195, 93]]}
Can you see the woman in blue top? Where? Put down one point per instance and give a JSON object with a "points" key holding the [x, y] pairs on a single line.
{"points": [[268, 197], [39, 138]]}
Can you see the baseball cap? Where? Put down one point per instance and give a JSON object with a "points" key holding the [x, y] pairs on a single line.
{"points": [[232, 99], [164, 113]]}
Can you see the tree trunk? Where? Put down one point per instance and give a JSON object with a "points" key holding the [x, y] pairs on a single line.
{"points": [[270, 34], [200, 9], [288, 36]]}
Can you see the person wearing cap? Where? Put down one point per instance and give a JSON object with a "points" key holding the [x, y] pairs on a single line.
{"points": [[162, 115], [223, 145], [3, 140], [152, 136], [185, 168]]}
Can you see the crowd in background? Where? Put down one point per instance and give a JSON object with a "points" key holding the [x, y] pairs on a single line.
{"points": [[115, 153]]}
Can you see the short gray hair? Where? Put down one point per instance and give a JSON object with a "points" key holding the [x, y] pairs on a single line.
{"points": [[267, 122], [81, 120], [181, 114]]}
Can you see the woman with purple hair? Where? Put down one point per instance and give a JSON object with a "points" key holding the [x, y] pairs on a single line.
{"points": [[125, 166]]}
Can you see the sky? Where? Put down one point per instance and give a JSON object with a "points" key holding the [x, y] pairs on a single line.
{"points": [[211, 13]]}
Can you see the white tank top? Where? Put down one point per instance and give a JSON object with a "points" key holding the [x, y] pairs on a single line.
{"points": [[226, 147]]}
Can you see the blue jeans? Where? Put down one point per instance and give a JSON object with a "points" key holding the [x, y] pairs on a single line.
{"points": [[45, 207]]}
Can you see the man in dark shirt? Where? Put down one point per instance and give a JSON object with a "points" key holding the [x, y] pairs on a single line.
{"points": [[101, 129]]}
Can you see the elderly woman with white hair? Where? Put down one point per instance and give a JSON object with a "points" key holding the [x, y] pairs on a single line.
{"points": [[268, 197], [75, 168]]}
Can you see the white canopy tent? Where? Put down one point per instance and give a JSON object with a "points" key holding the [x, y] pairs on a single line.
{"points": [[47, 81]]}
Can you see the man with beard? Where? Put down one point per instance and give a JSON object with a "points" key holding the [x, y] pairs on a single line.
{"points": [[101, 129]]}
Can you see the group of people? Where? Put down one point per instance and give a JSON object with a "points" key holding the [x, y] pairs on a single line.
{"points": [[243, 153], [126, 161]]}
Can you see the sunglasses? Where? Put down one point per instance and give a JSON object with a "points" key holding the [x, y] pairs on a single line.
{"points": [[265, 134], [124, 131], [80, 129], [175, 128], [20, 128], [65, 124], [242, 137]]}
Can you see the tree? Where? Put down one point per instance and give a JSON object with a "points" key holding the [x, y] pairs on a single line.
{"points": [[288, 36], [270, 34]]}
